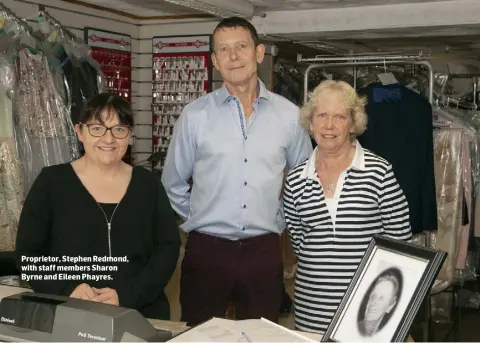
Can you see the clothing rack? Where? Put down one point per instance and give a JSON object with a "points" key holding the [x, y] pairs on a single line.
{"points": [[359, 57], [448, 101], [11, 15], [363, 61], [475, 78]]}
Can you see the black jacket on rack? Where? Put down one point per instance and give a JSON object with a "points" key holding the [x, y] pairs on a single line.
{"points": [[400, 130], [82, 80]]}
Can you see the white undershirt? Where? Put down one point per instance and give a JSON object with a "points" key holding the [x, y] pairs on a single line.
{"points": [[332, 203]]}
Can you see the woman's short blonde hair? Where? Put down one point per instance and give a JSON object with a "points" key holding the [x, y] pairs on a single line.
{"points": [[351, 100]]}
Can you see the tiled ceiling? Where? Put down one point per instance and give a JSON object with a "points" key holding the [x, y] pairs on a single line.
{"points": [[287, 5], [428, 45], [144, 8], [441, 40], [438, 40], [158, 5], [160, 8]]}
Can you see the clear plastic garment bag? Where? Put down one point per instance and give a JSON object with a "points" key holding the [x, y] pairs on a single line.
{"points": [[82, 78], [44, 128], [11, 177], [457, 171]]}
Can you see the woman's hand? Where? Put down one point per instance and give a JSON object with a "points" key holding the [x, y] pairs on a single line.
{"points": [[106, 296], [84, 292]]}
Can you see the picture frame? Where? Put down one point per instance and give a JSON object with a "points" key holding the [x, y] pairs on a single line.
{"points": [[386, 292]]}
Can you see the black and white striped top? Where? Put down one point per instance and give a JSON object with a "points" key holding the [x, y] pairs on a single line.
{"points": [[370, 202]]}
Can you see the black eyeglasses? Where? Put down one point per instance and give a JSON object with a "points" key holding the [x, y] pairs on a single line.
{"points": [[99, 130]]}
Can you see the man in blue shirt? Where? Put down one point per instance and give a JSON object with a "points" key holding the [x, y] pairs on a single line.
{"points": [[235, 143]]}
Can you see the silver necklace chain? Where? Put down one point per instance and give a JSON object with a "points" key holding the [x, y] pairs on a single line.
{"points": [[109, 227], [331, 185]]}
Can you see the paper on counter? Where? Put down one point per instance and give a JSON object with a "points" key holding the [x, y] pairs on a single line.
{"points": [[266, 331], [224, 330], [214, 330]]}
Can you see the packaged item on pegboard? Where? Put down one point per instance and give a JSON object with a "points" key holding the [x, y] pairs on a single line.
{"points": [[113, 51], [181, 73]]}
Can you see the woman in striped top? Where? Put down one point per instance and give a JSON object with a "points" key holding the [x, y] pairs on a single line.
{"points": [[335, 202]]}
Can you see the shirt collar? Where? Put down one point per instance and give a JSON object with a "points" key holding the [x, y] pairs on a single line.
{"points": [[222, 94], [358, 162]]}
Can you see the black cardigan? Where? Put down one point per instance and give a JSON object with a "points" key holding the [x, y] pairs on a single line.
{"points": [[61, 218]]}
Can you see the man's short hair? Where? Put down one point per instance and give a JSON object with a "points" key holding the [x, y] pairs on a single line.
{"points": [[234, 22]]}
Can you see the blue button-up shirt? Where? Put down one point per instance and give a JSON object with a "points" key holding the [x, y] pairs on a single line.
{"points": [[237, 165]]}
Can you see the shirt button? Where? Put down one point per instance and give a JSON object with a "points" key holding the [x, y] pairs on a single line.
{"points": [[245, 137], [243, 228], [244, 206], [245, 183], [245, 160]]}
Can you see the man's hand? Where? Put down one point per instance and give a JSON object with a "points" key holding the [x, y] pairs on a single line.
{"points": [[84, 292], [106, 296]]}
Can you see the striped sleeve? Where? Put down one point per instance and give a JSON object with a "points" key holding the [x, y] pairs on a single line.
{"points": [[292, 218], [394, 208]]}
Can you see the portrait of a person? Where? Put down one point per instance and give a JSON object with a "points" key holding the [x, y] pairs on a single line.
{"points": [[380, 302]]}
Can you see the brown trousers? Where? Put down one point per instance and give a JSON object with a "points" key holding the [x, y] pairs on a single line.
{"points": [[217, 271]]}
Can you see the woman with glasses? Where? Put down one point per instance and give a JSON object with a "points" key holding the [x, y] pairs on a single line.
{"points": [[97, 228]]}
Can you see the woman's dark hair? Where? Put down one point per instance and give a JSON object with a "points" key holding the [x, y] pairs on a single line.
{"points": [[111, 103]]}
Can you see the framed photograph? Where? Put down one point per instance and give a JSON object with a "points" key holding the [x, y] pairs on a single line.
{"points": [[384, 296]]}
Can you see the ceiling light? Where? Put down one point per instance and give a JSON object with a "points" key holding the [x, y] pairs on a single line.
{"points": [[219, 8]]}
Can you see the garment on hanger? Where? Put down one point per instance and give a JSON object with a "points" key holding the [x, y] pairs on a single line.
{"points": [[469, 121], [11, 181], [44, 126], [289, 81], [81, 78], [400, 130], [467, 203], [447, 119], [448, 179], [287, 88], [82, 74]]}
